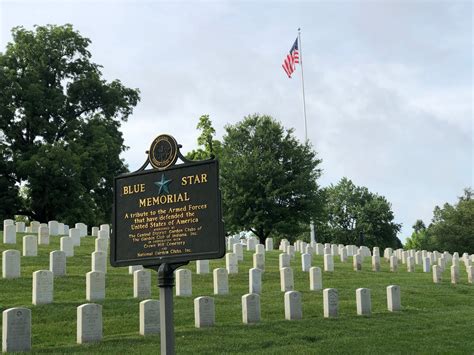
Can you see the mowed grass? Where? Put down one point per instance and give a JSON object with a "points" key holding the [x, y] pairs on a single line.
{"points": [[436, 318]]}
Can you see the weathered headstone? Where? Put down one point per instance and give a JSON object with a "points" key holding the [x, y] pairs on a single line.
{"points": [[99, 261], [250, 308], [75, 235], [393, 263], [470, 274], [67, 246], [343, 254], [106, 229], [204, 312], [57, 263], [101, 244], [328, 263], [53, 227], [305, 262], [393, 298], [357, 262], [255, 280], [82, 228], [9, 234], [363, 301], [284, 260], [95, 233], [221, 281], [315, 279], [410, 264], [8, 222], [16, 329], [293, 307], [231, 263], [43, 235], [61, 229], [30, 245], [269, 244], [436, 274], [426, 264], [286, 279], [89, 323], [202, 267], [43, 286], [319, 249], [260, 249], [454, 274], [95, 286], [11, 264], [376, 262], [149, 317], [183, 282], [330, 302], [34, 226], [259, 261], [238, 249], [142, 284], [251, 243]]}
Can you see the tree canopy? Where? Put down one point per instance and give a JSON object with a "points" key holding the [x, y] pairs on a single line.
{"points": [[268, 178], [59, 126], [354, 215], [208, 146]]}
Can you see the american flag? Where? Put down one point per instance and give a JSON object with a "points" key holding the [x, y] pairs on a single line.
{"points": [[289, 64]]}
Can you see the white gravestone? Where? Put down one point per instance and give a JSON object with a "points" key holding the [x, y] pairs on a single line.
{"points": [[53, 227], [327, 251], [309, 250], [16, 330], [343, 255], [393, 263], [9, 234], [183, 282], [364, 304], [269, 244], [259, 261], [95, 231], [410, 264], [454, 274], [149, 317], [67, 246], [204, 312], [66, 230], [334, 250], [231, 263], [103, 233], [43, 235], [101, 244], [315, 279], [305, 262], [75, 235], [89, 323], [436, 274], [357, 262], [418, 258], [30, 245], [202, 267], [221, 281], [105, 228], [330, 302], [57, 263], [260, 249], [34, 226], [11, 264], [99, 261], [328, 263], [133, 268], [238, 249], [293, 307], [470, 274], [8, 222], [43, 286], [283, 260], [250, 308], [426, 264], [255, 281], [95, 286], [286, 279], [319, 249], [290, 250], [142, 284], [376, 262], [442, 263], [251, 243], [393, 298], [82, 228], [61, 229]]}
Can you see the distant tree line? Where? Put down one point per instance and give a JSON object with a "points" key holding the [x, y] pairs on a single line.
{"points": [[451, 228]]}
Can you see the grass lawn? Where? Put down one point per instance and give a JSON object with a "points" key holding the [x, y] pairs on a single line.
{"points": [[436, 318]]}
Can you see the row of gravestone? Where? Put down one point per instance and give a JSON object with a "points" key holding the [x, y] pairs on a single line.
{"points": [[16, 322]]}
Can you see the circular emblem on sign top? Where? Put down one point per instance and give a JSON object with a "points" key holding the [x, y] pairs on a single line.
{"points": [[163, 151]]}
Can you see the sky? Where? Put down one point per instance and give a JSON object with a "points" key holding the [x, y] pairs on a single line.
{"points": [[388, 84]]}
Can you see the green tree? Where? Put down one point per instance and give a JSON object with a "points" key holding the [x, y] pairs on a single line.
{"points": [[268, 179], [452, 227], [354, 215], [208, 146], [59, 122]]}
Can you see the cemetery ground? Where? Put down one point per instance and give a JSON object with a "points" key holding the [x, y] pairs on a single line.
{"points": [[434, 317]]}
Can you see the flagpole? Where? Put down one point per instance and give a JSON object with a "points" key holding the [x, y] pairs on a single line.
{"points": [[302, 83]]}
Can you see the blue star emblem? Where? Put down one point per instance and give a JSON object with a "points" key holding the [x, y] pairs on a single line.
{"points": [[163, 185]]}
